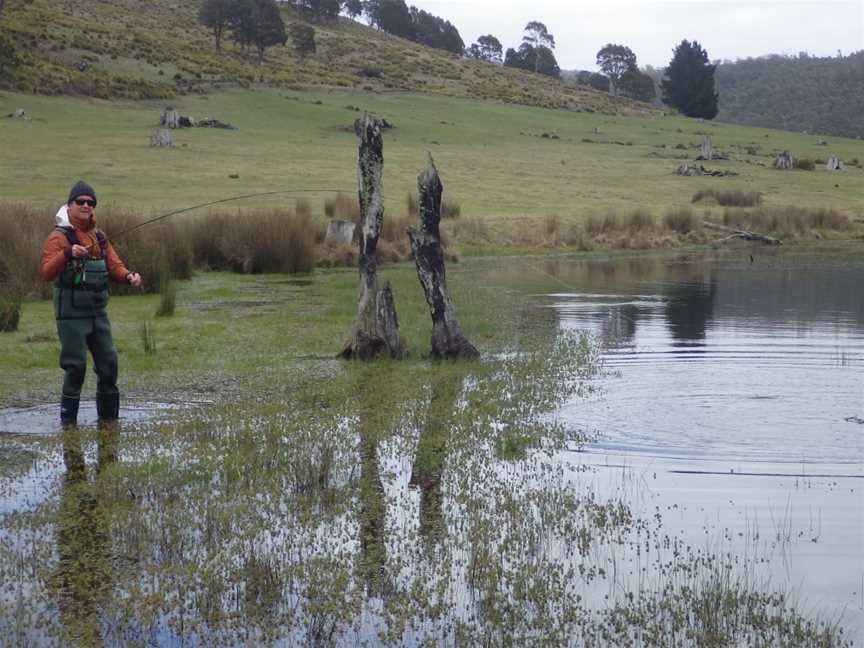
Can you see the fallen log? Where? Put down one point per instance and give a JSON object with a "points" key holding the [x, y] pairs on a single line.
{"points": [[743, 234]]}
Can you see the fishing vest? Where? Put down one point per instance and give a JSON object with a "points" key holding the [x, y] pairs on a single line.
{"points": [[81, 289]]}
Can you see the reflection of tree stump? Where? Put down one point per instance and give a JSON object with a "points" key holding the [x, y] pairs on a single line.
{"points": [[784, 161], [376, 328], [447, 338]]}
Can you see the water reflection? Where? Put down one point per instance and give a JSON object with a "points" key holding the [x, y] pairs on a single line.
{"points": [[83, 577], [431, 455], [689, 309]]}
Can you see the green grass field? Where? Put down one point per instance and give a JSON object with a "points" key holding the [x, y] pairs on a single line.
{"points": [[493, 157]]}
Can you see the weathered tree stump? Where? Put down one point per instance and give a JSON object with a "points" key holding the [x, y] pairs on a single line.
{"points": [[160, 137], [376, 329], [784, 161], [447, 338], [170, 118], [339, 231], [707, 149], [834, 164]]}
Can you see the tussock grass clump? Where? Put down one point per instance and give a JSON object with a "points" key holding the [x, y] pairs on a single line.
{"points": [[732, 198], [786, 222], [167, 295], [805, 164], [10, 313], [261, 240], [682, 221], [342, 207]]}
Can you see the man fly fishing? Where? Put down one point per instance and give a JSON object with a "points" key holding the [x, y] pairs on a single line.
{"points": [[78, 258]]}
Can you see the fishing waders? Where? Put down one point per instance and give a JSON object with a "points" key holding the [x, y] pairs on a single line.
{"points": [[80, 301]]}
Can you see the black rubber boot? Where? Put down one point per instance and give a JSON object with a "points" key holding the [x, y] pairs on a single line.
{"points": [[108, 406], [69, 411]]}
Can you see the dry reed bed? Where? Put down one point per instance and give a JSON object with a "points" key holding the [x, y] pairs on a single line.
{"points": [[291, 240]]}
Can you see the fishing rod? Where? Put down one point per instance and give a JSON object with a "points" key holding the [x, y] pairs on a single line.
{"points": [[221, 201]]}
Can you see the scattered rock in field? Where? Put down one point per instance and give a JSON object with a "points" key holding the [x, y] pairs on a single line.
{"points": [[233, 176], [171, 118], [212, 122], [339, 231], [834, 164], [784, 161], [83, 65], [160, 137], [699, 170]]}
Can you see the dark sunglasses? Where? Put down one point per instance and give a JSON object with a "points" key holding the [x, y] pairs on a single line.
{"points": [[85, 201]]}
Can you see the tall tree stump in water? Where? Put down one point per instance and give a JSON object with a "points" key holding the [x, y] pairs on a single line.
{"points": [[376, 329], [447, 338]]}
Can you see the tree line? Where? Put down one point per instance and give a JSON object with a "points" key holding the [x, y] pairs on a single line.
{"points": [[800, 93], [688, 84]]}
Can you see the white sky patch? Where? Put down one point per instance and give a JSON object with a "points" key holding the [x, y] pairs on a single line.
{"points": [[727, 29]]}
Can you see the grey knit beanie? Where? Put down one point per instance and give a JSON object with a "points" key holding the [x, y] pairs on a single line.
{"points": [[81, 188]]}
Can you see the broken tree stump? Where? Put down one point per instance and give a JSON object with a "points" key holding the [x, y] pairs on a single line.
{"points": [[376, 329], [447, 338], [708, 151], [834, 164], [160, 137], [784, 161]]}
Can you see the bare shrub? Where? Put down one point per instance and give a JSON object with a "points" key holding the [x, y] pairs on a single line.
{"points": [[805, 164]]}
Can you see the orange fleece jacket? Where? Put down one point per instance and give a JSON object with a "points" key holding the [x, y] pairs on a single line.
{"points": [[54, 254]]}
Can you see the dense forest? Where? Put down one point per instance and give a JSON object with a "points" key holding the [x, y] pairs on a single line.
{"points": [[800, 93]]}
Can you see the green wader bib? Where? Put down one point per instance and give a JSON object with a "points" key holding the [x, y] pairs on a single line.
{"points": [[80, 300]]}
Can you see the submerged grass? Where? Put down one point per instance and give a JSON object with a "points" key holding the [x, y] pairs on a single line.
{"points": [[316, 502]]}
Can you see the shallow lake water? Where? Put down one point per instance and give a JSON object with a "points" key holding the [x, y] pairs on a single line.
{"points": [[732, 396], [450, 504]]}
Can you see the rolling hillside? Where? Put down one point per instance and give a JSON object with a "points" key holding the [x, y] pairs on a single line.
{"points": [[130, 49]]}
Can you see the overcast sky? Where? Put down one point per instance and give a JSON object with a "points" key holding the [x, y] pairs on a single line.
{"points": [[726, 29]]}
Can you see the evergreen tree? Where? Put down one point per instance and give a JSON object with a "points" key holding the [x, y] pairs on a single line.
{"points": [[538, 37], [487, 48], [258, 23], [636, 85], [353, 8], [302, 39], [391, 16], [689, 82], [533, 59], [216, 14], [436, 32], [614, 61]]}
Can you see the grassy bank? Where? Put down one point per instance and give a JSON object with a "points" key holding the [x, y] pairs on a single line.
{"points": [[500, 162]]}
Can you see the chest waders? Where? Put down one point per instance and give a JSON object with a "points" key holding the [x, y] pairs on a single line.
{"points": [[80, 301]]}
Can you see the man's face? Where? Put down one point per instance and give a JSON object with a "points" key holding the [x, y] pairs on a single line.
{"points": [[81, 209]]}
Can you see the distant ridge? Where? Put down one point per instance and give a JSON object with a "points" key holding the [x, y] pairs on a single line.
{"points": [[798, 93]]}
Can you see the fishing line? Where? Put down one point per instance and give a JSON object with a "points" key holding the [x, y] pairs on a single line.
{"points": [[231, 199], [221, 201]]}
